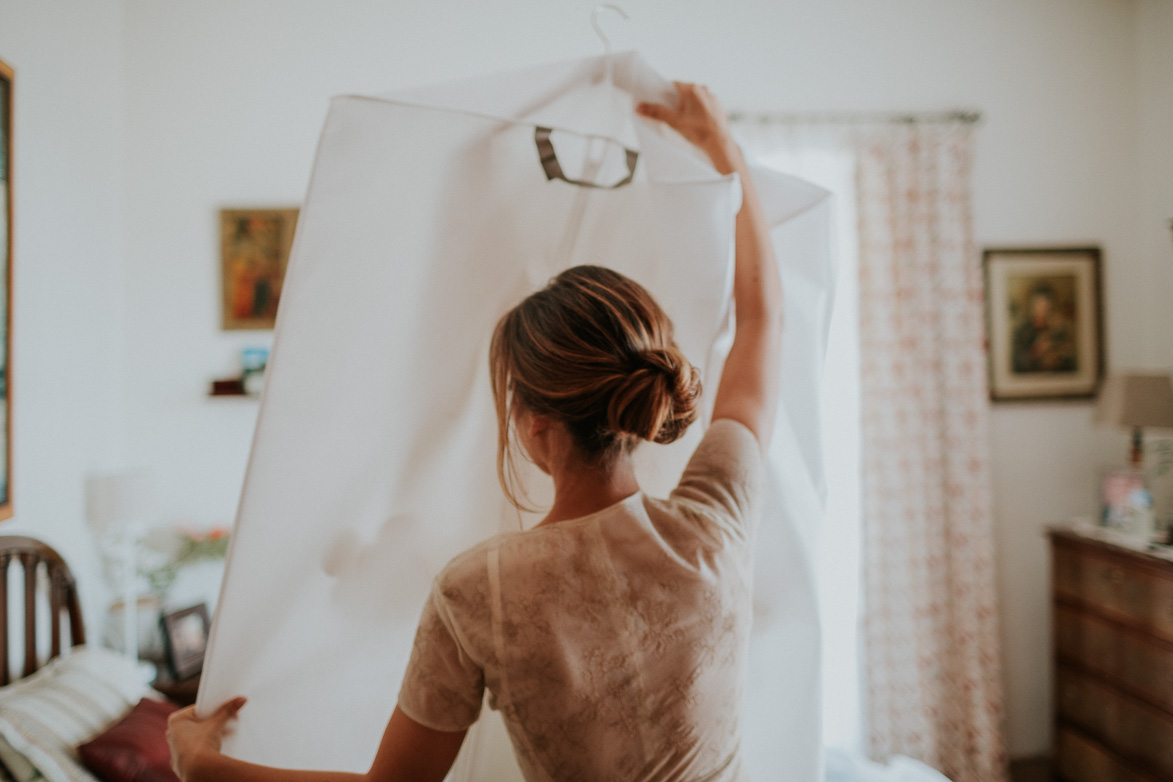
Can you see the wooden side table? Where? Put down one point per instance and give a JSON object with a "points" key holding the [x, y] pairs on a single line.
{"points": [[182, 692]]}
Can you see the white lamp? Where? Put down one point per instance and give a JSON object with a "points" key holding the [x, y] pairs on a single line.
{"points": [[1136, 400], [117, 507]]}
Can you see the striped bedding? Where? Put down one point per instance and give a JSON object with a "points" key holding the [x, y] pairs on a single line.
{"points": [[45, 716]]}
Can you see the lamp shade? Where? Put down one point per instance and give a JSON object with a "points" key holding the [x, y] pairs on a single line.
{"points": [[117, 501], [1136, 400]]}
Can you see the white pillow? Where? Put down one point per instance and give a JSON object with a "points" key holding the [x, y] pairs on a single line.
{"points": [[73, 698], [17, 765]]}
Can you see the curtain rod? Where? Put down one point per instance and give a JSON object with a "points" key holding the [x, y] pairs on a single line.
{"points": [[854, 117]]}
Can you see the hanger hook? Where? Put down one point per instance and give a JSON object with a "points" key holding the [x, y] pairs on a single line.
{"points": [[599, 9]]}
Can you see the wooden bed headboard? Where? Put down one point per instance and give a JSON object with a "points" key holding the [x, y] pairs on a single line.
{"points": [[35, 557]]}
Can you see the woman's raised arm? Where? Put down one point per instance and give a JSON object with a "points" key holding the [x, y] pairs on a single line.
{"points": [[748, 390]]}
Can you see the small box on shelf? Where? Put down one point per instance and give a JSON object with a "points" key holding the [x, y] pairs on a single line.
{"points": [[231, 387]]}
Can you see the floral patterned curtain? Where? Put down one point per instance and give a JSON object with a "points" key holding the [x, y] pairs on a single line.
{"points": [[932, 653]]}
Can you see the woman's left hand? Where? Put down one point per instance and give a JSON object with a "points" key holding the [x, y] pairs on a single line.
{"points": [[193, 739]]}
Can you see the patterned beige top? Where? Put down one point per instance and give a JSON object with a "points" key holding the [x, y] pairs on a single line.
{"points": [[614, 645]]}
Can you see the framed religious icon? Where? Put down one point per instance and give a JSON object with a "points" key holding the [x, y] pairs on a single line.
{"points": [[254, 251], [6, 292], [1044, 323]]}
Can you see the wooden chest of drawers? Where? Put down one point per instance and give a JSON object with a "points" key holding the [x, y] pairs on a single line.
{"points": [[1113, 639]]}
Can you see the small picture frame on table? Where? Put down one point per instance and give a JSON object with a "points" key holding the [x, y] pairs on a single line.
{"points": [[185, 639], [1044, 323]]}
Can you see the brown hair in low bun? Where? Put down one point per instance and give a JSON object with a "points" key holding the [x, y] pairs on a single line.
{"points": [[593, 350]]}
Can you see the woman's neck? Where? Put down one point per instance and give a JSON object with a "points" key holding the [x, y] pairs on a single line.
{"points": [[580, 490]]}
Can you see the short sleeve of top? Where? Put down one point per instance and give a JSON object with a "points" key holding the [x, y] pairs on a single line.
{"points": [[725, 478], [443, 686]]}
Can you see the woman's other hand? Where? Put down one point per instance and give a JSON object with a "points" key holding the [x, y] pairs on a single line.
{"points": [[700, 118], [191, 739]]}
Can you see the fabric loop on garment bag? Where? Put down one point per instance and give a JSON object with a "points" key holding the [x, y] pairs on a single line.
{"points": [[553, 168]]}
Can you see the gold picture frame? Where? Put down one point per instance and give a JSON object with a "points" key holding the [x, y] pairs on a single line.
{"points": [[6, 108], [254, 252], [1045, 325]]}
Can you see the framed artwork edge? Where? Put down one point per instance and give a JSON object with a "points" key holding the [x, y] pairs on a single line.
{"points": [[8, 75], [1097, 334], [228, 320]]}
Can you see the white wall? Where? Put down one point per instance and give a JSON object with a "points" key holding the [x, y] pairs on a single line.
{"points": [[1154, 25], [67, 351], [224, 100]]}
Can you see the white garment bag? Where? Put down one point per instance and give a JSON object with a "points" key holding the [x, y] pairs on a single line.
{"points": [[429, 215]]}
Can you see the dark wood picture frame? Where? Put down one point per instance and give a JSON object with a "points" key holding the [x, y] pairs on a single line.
{"points": [[1044, 323], [254, 253], [6, 125], [185, 640]]}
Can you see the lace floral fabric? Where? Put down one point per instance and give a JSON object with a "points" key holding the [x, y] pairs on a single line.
{"points": [[614, 645]]}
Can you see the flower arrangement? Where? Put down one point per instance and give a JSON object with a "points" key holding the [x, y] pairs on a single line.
{"points": [[185, 547]]}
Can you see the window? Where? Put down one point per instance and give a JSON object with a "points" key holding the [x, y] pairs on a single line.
{"points": [[824, 158]]}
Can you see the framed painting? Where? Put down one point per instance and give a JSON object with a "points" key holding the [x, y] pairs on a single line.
{"points": [[1044, 323], [6, 293], [254, 251]]}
